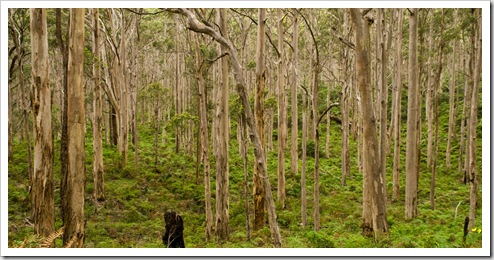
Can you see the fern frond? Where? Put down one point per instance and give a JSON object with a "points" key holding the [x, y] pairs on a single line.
{"points": [[47, 241], [71, 242]]}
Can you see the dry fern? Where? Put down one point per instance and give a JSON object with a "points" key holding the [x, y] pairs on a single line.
{"points": [[48, 241], [71, 242]]}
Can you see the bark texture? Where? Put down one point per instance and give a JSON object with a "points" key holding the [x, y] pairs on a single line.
{"points": [[74, 194], [42, 188], [374, 200]]}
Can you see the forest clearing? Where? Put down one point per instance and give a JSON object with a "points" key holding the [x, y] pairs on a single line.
{"points": [[245, 127]]}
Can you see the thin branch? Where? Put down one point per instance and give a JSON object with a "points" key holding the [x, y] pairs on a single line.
{"points": [[343, 40], [255, 22], [143, 13], [244, 15], [219, 57], [326, 111]]}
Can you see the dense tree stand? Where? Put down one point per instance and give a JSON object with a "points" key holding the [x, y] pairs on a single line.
{"points": [[174, 230]]}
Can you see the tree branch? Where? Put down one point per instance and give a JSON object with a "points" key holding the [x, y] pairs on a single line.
{"points": [[326, 111], [244, 15], [219, 57], [255, 22], [344, 41], [143, 13]]}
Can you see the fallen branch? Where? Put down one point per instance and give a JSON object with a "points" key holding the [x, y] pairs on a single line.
{"points": [[456, 210]]}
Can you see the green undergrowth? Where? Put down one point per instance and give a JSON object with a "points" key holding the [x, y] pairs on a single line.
{"points": [[132, 214]]}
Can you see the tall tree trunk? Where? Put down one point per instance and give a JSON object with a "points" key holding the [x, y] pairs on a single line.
{"points": [[42, 188], [413, 116], [384, 46], [468, 106], [281, 114], [135, 80], [124, 91], [98, 172], [429, 111], [397, 109], [374, 201], [63, 121], [259, 195], [435, 115], [294, 88], [315, 133], [304, 160], [204, 132], [345, 91], [473, 174], [452, 119], [243, 146], [177, 95], [222, 184], [74, 194]]}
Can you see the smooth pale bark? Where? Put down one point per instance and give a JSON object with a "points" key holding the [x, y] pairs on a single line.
{"points": [[294, 104], [397, 109], [74, 213], [196, 26], [374, 201], [204, 133], [135, 89], [98, 171], [259, 196], [281, 114], [452, 114], [42, 188], [345, 91], [413, 121], [304, 160], [121, 74], [222, 183], [473, 173], [177, 95], [384, 46], [430, 91]]}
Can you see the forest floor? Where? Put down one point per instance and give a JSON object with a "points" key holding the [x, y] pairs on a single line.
{"points": [[132, 215]]}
